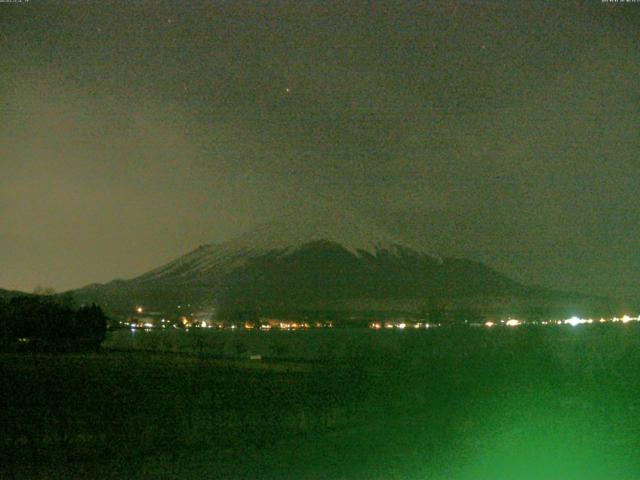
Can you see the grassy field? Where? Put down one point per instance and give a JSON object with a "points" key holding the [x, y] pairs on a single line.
{"points": [[524, 403]]}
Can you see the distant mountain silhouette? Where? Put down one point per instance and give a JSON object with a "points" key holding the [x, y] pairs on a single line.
{"points": [[330, 262], [8, 294]]}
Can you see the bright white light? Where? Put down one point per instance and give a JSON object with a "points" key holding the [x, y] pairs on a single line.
{"points": [[402, 325], [139, 309], [626, 319], [574, 321], [489, 324], [512, 322]]}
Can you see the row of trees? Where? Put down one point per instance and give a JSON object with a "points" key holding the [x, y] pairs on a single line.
{"points": [[47, 323]]}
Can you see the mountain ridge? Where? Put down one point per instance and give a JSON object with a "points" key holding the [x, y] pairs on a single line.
{"points": [[322, 263]]}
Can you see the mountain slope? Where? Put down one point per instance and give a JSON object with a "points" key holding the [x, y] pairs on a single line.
{"points": [[324, 274], [324, 262], [9, 294], [283, 235]]}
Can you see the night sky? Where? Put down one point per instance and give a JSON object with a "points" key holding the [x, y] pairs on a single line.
{"points": [[507, 132]]}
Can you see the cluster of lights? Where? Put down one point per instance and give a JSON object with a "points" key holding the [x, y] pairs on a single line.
{"points": [[134, 325], [399, 325], [288, 325], [265, 327], [511, 322], [573, 321], [293, 325], [186, 323]]}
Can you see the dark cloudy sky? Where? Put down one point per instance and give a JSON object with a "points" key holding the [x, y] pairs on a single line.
{"points": [[507, 132]]}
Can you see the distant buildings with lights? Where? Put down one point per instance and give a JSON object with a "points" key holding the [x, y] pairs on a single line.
{"points": [[184, 318]]}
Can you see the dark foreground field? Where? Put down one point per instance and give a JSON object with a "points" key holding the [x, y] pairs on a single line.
{"points": [[524, 403]]}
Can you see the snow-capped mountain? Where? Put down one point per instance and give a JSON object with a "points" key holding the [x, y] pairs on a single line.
{"points": [[331, 261], [284, 236]]}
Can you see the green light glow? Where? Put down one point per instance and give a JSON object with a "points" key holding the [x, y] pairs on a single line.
{"points": [[542, 439]]}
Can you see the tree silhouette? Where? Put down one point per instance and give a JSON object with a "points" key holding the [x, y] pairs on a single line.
{"points": [[43, 322]]}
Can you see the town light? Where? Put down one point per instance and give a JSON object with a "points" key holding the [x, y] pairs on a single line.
{"points": [[574, 321]]}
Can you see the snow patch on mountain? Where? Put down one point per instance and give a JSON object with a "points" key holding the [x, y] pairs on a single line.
{"points": [[285, 235]]}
